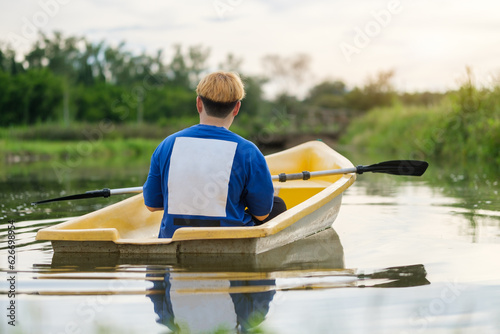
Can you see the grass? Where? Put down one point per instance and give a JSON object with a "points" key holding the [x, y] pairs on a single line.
{"points": [[102, 140], [38, 150], [397, 129], [441, 132], [94, 131]]}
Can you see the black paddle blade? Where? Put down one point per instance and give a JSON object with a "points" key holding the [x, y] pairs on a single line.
{"points": [[396, 167], [89, 194]]}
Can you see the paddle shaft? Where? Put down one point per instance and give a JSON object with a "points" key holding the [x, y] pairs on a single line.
{"points": [[307, 175], [106, 192], [94, 193], [121, 191], [395, 167]]}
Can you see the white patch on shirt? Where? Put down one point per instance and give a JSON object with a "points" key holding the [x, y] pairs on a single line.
{"points": [[198, 179]]}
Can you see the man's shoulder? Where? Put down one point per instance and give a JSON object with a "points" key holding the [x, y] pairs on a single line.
{"points": [[170, 139], [245, 146], [212, 132]]}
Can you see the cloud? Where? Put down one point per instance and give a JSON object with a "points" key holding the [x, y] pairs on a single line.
{"points": [[427, 42]]}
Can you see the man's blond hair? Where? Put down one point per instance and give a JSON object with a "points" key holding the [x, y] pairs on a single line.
{"points": [[222, 87]]}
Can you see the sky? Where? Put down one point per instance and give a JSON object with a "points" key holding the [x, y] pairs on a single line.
{"points": [[428, 44]]}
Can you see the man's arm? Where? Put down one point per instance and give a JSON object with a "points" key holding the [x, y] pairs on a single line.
{"points": [[260, 190], [155, 209], [261, 218], [152, 187]]}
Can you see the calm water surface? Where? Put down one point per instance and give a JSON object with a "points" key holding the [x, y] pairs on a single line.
{"points": [[441, 234]]}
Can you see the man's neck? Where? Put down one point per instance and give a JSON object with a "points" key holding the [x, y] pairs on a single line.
{"points": [[215, 121]]}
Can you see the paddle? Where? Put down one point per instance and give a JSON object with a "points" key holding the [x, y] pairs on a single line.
{"points": [[394, 167], [94, 193]]}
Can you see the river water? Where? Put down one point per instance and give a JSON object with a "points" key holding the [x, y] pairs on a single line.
{"points": [[405, 255]]}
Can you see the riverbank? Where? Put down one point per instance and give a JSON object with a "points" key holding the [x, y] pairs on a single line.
{"points": [[14, 152], [106, 141], [463, 129], [455, 131]]}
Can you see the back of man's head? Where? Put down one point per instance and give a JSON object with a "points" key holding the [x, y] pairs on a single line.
{"points": [[220, 91]]}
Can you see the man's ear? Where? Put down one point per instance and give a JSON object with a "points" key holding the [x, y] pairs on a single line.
{"points": [[199, 104], [236, 109]]}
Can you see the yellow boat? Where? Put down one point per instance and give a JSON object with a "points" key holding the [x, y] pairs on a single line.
{"points": [[128, 227]]}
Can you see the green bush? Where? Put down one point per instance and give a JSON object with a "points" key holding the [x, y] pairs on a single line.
{"points": [[464, 127]]}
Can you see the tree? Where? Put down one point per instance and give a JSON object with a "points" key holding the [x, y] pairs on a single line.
{"points": [[287, 73], [45, 95], [8, 62], [60, 55], [98, 81], [378, 91], [185, 70], [327, 94], [231, 64], [29, 97], [253, 104]]}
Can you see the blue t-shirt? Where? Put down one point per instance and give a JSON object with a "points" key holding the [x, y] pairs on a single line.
{"points": [[206, 176]]}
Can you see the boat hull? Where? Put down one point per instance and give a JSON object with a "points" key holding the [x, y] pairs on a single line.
{"points": [[321, 219], [323, 250]]}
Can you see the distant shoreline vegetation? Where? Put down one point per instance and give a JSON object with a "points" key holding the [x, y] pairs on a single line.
{"points": [[463, 128], [68, 95], [69, 79]]}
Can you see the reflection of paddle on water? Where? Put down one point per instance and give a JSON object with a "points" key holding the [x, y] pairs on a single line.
{"points": [[393, 277]]}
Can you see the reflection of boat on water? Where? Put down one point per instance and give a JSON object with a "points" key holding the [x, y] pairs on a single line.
{"points": [[236, 295], [128, 227], [210, 303], [322, 250], [196, 293], [310, 260]]}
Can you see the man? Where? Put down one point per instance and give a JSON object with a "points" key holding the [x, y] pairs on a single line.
{"points": [[206, 175]]}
